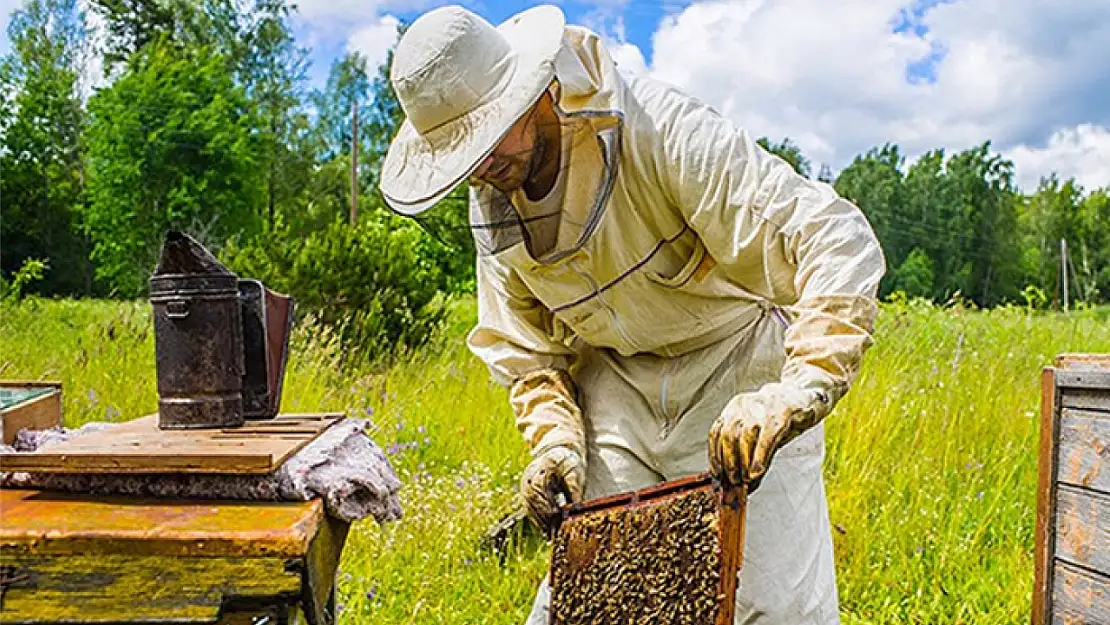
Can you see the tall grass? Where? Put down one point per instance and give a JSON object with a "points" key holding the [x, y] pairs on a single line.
{"points": [[931, 463]]}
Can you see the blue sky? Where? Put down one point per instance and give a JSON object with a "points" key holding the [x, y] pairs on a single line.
{"points": [[838, 77], [634, 21], [842, 76]]}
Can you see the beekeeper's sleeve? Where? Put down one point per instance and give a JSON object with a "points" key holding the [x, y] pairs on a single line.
{"points": [[527, 349], [788, 239]]}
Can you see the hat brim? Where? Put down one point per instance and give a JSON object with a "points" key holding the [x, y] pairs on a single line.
{"points": [[420, 170]]}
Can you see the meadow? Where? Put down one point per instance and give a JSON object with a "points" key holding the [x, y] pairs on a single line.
{"points": [[931, 466]]}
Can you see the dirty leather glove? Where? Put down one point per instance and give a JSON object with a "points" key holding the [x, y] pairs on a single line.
{"points": [[556, 471], [753, 426]]}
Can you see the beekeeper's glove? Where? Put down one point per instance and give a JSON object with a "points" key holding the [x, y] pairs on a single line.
{"points": [[753, 426], [556, 473], [546, 406]]}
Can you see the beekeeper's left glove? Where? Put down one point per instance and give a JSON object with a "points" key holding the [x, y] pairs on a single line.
{"points": [[753, 426], [554, 474]]}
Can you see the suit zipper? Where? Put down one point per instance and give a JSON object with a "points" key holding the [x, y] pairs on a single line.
{"points": [[663, 384]]}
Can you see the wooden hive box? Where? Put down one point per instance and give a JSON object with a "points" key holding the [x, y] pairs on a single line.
{"points": [[666, 554], [26, 404], [1072, 560]]}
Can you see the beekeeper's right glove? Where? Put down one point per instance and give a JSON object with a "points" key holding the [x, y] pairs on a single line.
{"points": [[557, 473]]}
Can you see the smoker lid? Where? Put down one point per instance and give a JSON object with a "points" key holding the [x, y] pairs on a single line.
{"points": [[182, 254]]}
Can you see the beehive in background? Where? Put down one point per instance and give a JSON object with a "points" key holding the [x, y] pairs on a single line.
{"points": [[666, 554], [1072, 551]]}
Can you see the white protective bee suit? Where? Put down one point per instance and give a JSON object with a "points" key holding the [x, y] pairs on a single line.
{"points": [[691, 266]]}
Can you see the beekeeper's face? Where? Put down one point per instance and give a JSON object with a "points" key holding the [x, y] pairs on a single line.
{"points": [[517, 157]]}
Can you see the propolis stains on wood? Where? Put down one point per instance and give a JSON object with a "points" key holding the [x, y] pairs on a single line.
{"points": [[668, 554]]}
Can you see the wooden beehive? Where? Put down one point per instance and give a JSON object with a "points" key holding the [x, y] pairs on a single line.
{"points": [[1072, 560], [26, 404], [666, 554]]}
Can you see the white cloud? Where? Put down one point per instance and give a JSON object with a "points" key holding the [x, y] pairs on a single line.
{"points": [[374, 40], [836, 78], [331, 27], [629, 59], [1082, 152]]}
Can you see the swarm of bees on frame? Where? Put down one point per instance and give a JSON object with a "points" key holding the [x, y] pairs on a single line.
{"points": [[654, 563]]}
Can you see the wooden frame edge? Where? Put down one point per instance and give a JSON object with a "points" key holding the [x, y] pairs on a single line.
{"points": [[733, 504], [1044, 535]]}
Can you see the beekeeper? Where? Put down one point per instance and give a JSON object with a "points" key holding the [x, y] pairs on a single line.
{"points": [[652, 285]]}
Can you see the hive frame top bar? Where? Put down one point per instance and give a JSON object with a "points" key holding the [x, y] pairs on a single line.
{"points": [[651, 493]]}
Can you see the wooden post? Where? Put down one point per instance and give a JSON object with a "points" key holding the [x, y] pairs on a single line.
{"points": [[354, 162], [1064, 269]]}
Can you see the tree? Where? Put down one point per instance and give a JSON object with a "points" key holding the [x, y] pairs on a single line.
{"points": [[171, 145], [272, 71], [132, 24], [1093, 257], [41, 162], [875, 183], [348, 84], [383, 119], [958, 213], [985, 208], [1059, 210], [914, 277], [448, 241], [788, 151]]}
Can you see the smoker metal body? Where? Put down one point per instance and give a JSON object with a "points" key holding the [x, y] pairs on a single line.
{"points": [[198, 333]]}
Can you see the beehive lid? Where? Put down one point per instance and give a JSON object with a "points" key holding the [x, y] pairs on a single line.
{"points": [[258, 447]]}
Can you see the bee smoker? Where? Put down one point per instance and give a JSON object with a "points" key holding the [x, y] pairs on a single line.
{"points": [[220, 342]]}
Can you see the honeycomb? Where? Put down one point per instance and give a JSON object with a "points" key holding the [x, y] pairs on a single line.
{"points": [[655, 562]]}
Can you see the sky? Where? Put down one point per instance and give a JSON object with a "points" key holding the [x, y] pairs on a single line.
{"points": [[838, 77]]}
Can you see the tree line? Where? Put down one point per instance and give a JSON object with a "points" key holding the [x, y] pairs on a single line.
{"points": [[203, 120]]}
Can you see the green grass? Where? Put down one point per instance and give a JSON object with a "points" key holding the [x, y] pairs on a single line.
{"points": [[931, 464]]}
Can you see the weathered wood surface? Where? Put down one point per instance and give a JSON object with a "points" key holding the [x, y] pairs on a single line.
{"points": [[1080, 597], [38, 413], [139, 446], [1073, 361], [1085, 380], [1094, 379], [85, 560], [127, 588], [58, 523], [734, 502], [1046, 499], [1083, 458], [1086, 399], [1072, 556], [1083, 528], [322, 562]]}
